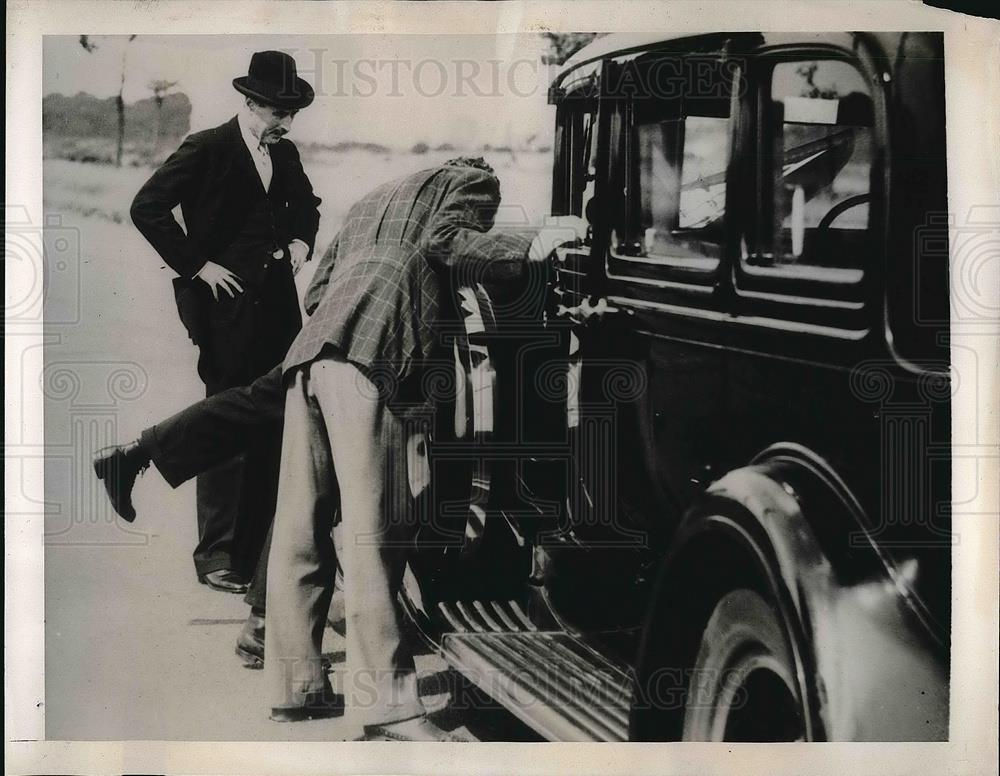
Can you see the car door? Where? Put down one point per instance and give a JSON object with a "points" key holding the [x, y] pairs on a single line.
{"points": [[646, 384], [808, 268], [665, 273]]}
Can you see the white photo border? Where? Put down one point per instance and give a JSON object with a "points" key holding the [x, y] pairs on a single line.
{"points": [[972, 50]]}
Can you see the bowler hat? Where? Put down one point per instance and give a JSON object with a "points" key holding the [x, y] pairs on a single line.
{"points": [[272, 80]]}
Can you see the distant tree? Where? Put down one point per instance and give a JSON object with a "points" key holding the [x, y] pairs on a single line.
{"points": [[563, 45], [89, 46], [160, 88], [420, 148], [808, 73]]}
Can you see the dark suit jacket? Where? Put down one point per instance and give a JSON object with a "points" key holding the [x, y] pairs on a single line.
{"points": [[376, 295], [212, 177]]}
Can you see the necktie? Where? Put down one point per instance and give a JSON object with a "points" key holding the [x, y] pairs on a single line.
{"points": [[264, 165]]}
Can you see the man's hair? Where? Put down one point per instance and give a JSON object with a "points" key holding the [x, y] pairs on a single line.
{"points": [[469, 161]]}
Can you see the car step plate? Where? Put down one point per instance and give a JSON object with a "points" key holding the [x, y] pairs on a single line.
{"points": [[551, 680]]}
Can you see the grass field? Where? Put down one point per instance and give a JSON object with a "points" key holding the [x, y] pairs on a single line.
{"points": [[105, 192]]}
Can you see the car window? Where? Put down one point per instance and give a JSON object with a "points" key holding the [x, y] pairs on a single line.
{"points": [[682, 185], [676, 154], [820, 120]]}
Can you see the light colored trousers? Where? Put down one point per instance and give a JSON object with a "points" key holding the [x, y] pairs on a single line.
{"points": [[339, 436]]}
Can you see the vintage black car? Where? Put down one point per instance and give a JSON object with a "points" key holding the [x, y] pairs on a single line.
{"points": [[706, 490]]}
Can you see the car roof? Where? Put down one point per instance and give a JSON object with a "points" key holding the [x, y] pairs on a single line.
{"points": [[612, 43], [586, 61]]}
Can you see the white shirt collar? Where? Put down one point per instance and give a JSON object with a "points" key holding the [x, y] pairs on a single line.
{"points": [[252, 143]]}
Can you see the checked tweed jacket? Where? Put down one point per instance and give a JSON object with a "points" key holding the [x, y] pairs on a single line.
{"points": [[376, 296]]}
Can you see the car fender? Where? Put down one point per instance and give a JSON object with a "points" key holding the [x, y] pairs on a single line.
{"points": [[865, 667]]}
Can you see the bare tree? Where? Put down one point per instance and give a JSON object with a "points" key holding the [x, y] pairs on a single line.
{"points": [[160, 88], [89, 46]]}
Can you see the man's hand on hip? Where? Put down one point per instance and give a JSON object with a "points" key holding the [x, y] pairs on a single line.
{"points": [[298, 251], [217, 276]]}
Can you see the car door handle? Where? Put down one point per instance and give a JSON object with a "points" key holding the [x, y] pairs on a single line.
{"points": [[587, 311]]}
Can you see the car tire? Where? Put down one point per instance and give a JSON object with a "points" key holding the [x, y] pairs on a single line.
{"points": [[743, 686]]}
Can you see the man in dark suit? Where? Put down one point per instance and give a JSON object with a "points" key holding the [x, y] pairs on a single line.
{"points": [[251, 218]]}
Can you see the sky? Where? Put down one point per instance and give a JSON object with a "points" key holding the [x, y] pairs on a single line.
{"points": [[396, 90]]}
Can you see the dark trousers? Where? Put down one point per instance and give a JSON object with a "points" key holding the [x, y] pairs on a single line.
{"points": [[217, 497], [216, 429], [245, 336], [213, 431]]}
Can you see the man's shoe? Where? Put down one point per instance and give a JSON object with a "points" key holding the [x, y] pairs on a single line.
{"points": [[322, 704], [224, 580], [250, 642], [117, 467], [416, 729]]}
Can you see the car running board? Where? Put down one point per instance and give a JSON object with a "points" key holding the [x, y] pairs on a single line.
{"points": [[550, 680]]}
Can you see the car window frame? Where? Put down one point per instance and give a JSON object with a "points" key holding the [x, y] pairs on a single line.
{"points": [[838, 308], [571, 109], [659, 272], [576, 275]]}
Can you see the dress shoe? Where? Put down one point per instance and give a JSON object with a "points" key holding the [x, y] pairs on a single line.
{"points": [[250, 642], [117, 467], [416, 729], [224, 580], [322, 704]]}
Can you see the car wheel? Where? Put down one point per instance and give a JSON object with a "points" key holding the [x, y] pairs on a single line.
{"points": [[743, 687]]}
